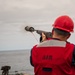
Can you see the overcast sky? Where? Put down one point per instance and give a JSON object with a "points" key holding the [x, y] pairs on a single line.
{"points": [[16, 14]]}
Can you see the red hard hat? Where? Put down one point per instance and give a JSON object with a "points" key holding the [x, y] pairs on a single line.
{"points": [[64, 23]]}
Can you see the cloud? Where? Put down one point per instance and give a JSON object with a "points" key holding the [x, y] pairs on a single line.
{"points": [[44, 11], [37, 13], [33, 4]]}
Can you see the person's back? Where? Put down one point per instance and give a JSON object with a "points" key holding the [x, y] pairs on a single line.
{"points": [[55, 56]]}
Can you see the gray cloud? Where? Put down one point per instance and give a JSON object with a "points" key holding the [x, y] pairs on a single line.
{"points": [[14, 14], [25, 10]]}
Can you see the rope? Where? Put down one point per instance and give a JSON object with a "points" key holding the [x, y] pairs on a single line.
{"points": [[35, 37]]}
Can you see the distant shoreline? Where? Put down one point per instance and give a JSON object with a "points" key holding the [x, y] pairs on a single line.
{"points": [[14, 50]]}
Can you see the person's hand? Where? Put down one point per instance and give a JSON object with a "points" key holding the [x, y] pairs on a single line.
{"points": [[43, 37]]}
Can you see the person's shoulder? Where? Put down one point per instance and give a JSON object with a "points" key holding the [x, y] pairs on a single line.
{"points": [[34, 46], [70, 43]]}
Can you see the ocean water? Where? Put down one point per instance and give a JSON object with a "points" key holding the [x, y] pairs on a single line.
{"points": [[18, 60]]}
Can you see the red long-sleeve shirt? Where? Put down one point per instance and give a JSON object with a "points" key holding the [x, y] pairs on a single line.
{"points": [[53, 57]]}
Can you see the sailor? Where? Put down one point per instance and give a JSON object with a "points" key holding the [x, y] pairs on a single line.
{"points": [[55, 56]]}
